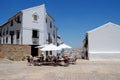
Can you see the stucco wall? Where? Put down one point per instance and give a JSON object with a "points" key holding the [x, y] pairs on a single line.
{"points": [[104, 42], [29, 24], [14, 52], [105, 39]]}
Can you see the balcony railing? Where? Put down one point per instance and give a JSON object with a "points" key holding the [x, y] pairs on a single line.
{"points": [[35, 41], [34, 36]]}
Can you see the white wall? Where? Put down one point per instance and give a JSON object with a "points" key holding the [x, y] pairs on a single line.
{"points": [[27, 35], [104, 56], [30, 24], [104, 40]]}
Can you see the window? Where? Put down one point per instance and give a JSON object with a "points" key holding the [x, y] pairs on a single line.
{"points": [[49, 38], [54, 34], [46, 53], [18, 19], [1, 33], [35, 34], [11, 32], [35, 17], [17, 34], [50, 52], [12, 39], [0, 41], [11, 23], [7, 30], [50, 24], [6, 39], [12, 35], [3, 41], [46, 20]]}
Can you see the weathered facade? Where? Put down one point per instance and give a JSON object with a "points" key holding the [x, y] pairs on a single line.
{"points": [[14, 51]]}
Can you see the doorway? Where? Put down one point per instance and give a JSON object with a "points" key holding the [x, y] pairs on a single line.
{"points": [[34, 51], [86, 54]]}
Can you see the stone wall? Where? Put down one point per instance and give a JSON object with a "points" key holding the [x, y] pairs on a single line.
{"points": [[14, 52], [75, 51]]}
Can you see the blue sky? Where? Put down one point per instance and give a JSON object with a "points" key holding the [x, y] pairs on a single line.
{"points": [[72, 17]]}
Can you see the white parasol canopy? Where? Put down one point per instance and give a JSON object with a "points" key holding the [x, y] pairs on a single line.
{"points": [[50, 47], [63, 46], [41, 46]]}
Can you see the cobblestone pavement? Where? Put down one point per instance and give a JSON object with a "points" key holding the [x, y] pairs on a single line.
{"points": [[83, 70]]}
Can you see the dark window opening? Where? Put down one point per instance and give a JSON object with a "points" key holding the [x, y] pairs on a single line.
{"points": [[7, 30], [49, 39], [35, 34], [50, 52], [6, 39], [4, 32], [18, 19], [0, 41], [50, 24], [11, 39], [3, 40], [54, 34], [46, 53], [11, 23], [11, 32], [46, 20], [0, 34], [34, 51], [18, 34]]}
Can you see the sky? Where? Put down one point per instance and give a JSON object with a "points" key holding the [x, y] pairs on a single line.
{"points": [[73, 18]]}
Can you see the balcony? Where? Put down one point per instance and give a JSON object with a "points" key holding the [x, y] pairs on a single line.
{"points": [[35, 41], [35, 36]]}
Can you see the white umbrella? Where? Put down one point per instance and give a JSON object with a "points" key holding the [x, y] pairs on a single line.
{"points": [[63, 46], [50, 47], [41, 46]]}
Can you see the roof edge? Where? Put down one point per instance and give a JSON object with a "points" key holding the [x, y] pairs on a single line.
{"points": [[109, 23], [34, 7]]}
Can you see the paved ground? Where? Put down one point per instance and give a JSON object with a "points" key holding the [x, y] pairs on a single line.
{"points": [[83, 70]]}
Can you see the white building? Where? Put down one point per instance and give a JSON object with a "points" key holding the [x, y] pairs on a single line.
{"points": [[32, 26], [103, 43]]}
